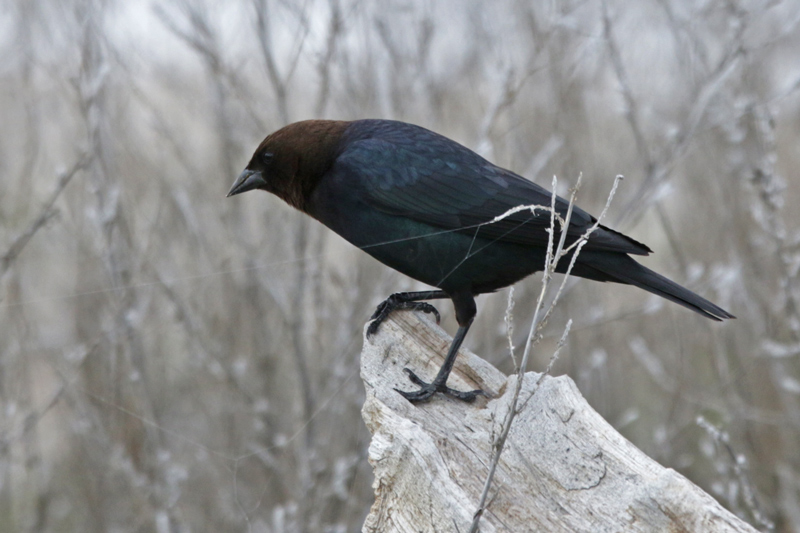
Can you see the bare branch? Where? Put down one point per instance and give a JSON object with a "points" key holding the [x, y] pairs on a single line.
{"points": [[335, 29], [739, 464], [45, 213]]}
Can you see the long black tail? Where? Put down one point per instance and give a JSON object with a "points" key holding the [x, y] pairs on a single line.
{"points": [[621, 268]]}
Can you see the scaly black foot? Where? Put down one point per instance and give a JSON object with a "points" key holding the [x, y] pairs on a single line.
{"points": [[429, 389], [393, 302]]}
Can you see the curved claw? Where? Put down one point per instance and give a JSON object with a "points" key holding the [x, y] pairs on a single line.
{"points": [[392, 303], [373, 327], [415, 379], [425, 307], [427, 390], [422, 395]]}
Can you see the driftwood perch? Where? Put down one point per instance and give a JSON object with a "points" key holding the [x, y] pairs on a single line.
{"points": [[564, 468]]}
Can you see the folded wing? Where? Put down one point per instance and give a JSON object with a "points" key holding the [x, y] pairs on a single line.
{"points": [[448, 186]]}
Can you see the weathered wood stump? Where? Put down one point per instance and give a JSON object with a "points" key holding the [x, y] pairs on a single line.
{"points": [[564, 468]]}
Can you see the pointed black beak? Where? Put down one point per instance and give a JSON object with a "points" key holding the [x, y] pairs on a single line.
{"points": [[247, 181]]}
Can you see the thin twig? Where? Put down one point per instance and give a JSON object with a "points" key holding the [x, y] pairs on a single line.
{"points": [[739, 462], [499, 443], [534, 333], [335, 30], [45, 214], [553, 358], [658, 166], [509, 320]]}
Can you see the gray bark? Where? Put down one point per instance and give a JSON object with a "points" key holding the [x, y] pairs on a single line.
{"points": [[564, 468]]}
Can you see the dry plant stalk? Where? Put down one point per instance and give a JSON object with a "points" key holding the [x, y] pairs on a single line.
{"points": [[537, 324]]}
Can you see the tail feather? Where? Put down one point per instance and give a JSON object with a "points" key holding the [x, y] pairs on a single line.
{"points": [[621, 268]]}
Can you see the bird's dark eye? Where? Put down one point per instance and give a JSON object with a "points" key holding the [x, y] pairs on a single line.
{"points": [[266, 158]]}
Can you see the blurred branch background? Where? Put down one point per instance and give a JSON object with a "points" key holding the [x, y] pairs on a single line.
{"points": [[174, 361]]}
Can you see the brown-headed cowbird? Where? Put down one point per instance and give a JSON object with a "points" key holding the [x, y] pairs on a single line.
{"points": [[419, 203]]}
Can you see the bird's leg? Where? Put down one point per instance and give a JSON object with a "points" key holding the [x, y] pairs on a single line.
{"points": [[405, 300], [439, 383]]}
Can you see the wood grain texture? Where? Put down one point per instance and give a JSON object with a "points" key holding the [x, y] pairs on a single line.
{"points": [[564, 468]]}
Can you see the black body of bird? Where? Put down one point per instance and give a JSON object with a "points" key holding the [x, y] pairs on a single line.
{"points": [[418, 202]]}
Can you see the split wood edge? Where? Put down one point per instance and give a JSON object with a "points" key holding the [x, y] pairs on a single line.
{"points": [[564, 468]]}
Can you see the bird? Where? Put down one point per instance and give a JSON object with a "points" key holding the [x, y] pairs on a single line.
{"points": [[427, 206]]}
